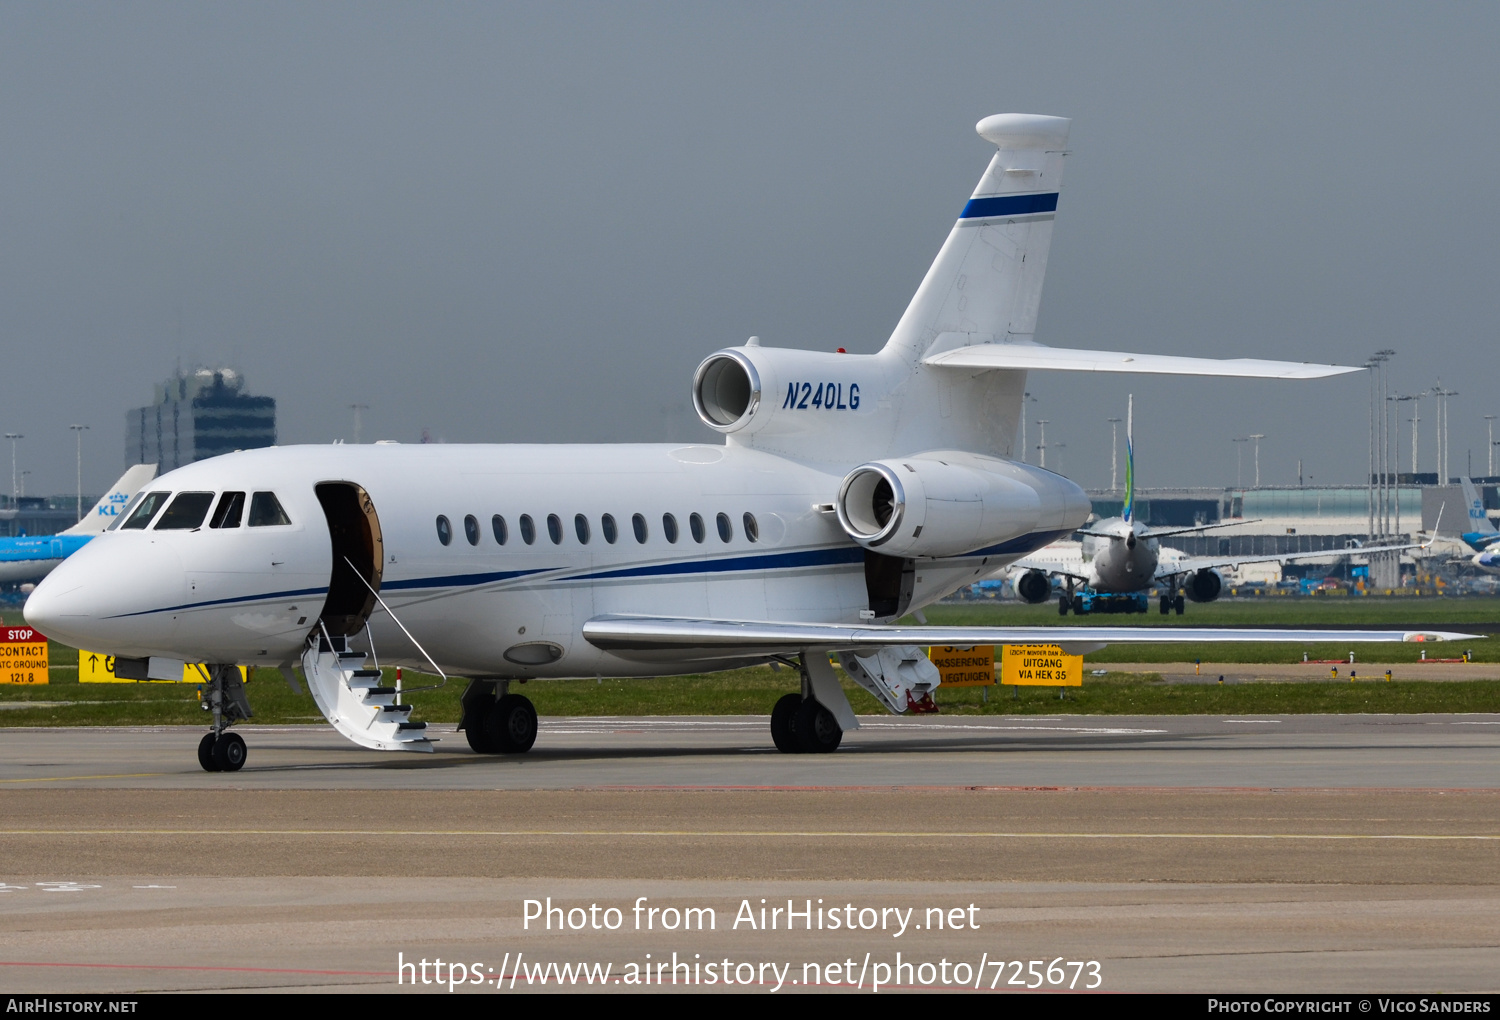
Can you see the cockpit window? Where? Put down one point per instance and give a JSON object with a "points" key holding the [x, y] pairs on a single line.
{"points": [[186, 512], [266, 512], [125, 513], [146, 510], [229, 511]]}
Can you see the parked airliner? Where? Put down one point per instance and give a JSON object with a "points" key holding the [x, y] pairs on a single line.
{"points": [[849, 490], [1119, 560], [26, 558]]}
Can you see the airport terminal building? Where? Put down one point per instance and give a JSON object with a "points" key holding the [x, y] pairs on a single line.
{"points": [[198, 415], [1273, 520]]}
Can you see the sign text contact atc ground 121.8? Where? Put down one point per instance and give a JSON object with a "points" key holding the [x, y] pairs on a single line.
{"points": [[23, 656]]}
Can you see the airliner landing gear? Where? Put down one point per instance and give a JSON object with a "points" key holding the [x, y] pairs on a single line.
{"points": [[224, 696], [801, 724], [496, 721]]}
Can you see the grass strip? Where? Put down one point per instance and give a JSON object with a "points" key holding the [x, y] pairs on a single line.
{"points": [[753, 692]]}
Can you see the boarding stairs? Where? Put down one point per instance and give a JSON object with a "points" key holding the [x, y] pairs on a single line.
{"points": [[356, 701], [900, 676]]}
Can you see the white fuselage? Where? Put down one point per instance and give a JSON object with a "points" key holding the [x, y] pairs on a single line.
{"points": [[1125, 561], [253, 595]]}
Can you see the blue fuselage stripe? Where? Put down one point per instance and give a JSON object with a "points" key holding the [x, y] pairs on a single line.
{"points": [[1009, 205]]}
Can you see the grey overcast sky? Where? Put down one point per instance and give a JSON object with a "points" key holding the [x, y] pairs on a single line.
{"points": [[528, 222]]}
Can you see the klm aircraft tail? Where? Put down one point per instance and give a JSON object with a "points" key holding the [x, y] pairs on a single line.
{"points": [[1480, 532], [113, 502]]}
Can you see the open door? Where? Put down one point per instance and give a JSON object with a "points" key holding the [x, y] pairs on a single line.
{"points": [[354, 530]]}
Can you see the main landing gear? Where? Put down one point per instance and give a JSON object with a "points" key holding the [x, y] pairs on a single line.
{"points": [[496, 721], [801, 724], [1170, 603], [224, 696]]}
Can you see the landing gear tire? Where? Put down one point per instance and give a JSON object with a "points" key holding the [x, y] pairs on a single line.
{"points": [[206, 752], [1062, 605], [784, 724], [229, 753], [815, 728], [510, 727], [479, 743], [1166, 604], [1179, 603]]}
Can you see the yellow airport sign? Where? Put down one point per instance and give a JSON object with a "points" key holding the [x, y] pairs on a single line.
{"points": [[1040, 666], [98, 668], [964, 667], [23, 656]]}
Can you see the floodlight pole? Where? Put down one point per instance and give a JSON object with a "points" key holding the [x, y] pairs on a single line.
{"points": [[1042, 445], [356, 408], [1257, 437], [1115, 453], [1239, 461], [78, 431], [1489, 420], [13, 436]]}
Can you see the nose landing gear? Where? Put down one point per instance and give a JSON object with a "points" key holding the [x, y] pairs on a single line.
{"points": [[224, 696]]}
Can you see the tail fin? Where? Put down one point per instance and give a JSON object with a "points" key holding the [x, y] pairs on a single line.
{"points": [[113, 502], [1127, 511], [1479, 522], [985, 285]]}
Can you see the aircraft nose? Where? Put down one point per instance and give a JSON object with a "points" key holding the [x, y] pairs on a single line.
{"points": [[102, 597]]}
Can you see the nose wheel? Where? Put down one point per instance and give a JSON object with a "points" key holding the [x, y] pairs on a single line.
{"points": [[224, 696]]}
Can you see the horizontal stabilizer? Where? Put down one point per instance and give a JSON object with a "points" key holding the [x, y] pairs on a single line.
{"points": [[1035, 357], [717, 638]]}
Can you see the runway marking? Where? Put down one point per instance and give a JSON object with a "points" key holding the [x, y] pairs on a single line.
{"points": [[746, 833], [64, 779]]}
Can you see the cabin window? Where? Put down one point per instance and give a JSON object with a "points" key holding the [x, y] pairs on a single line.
{"points": [[229, 511], [726, 530], [607, 525], [554, 528], [445, 530], [143, 513], [695, 523], [528, 529], [638, 525], [186, 512], [669, 527], [266, 512], [497, 525], [752, 527], [471, 529], [581, 526]]}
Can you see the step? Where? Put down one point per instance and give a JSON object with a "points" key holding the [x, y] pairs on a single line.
{"points": [[372, 692], [395, 708], [411, 726], [366, 672]]}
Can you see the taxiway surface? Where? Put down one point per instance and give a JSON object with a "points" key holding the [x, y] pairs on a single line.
{"points": [[1182, 853]]}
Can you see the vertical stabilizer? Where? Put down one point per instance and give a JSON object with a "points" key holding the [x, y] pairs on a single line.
{"points": [[985, 285], [1127, 511], [113, 502], [1478, 526]]}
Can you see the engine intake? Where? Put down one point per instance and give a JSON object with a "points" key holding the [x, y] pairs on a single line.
{"points": [[1204, 585], [726, 391], [1034, 587]]}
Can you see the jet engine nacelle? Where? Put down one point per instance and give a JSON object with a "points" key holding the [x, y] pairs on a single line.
{"points": [[1034, 587], [744, 391], [947, 503], [1204, 585]]}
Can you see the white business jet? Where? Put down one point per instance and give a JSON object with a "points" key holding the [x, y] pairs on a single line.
{"points": [[849, 491]]}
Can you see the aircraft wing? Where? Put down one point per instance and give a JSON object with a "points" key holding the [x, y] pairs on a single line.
{"points": [[1035, 357], [1188, 564], [716, 639], [1169, 532]]}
